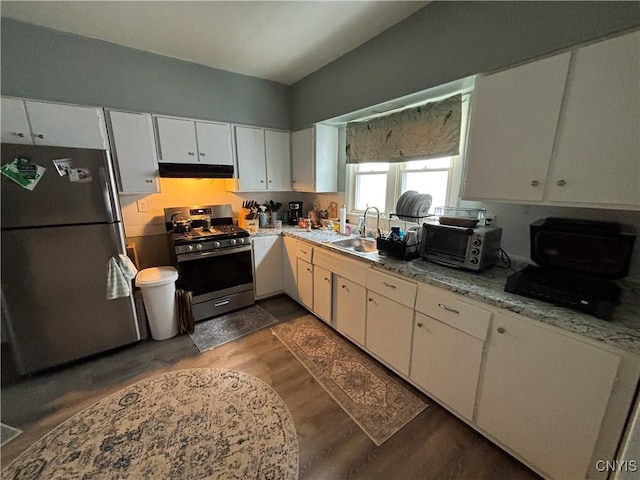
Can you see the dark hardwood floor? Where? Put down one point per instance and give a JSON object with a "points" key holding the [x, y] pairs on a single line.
{"points": [[435, 445]]}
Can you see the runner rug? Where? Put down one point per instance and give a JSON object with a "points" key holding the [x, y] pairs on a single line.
{"points": [[209, 334], [373, 397], [198, 423]]}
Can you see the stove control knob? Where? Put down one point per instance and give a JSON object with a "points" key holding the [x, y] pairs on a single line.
{"points": [[216, 244], [241, 240], [190, 248], [232, 241], [199, 246]]}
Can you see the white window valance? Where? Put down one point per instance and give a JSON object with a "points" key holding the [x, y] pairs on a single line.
{"points": [[425, 131]]}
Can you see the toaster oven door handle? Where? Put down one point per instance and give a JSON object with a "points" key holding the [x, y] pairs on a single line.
{"points": [[185, 257]]}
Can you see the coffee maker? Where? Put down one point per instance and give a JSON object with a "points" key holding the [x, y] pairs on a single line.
{"points": [[295, 212]]}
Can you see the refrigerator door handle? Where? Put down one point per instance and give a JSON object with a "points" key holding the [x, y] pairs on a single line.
{"points": [[106, 194]]}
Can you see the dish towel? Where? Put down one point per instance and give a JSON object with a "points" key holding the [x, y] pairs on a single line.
{"points": [[120, 272]]}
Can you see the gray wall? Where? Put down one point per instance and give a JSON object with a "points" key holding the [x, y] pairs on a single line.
{"points": [[46, 64], [447, 41]]}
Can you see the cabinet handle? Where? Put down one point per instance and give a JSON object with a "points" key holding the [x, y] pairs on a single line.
{"points": [[345, 287], [535, 183], [192, 154], [203, 154], [561, 183], [448, 309], [309, 270], [19, 134], [39, 135], [148, 180], [270, 181], [501, 330], [388, 285], [420, 325], [261, 181], [327, 279]]}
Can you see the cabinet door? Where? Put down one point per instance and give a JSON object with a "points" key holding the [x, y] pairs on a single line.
{"points": [[446, 363], [14, 125], [544, 395], [303, 160], [252, 174], [513, 127], [289, 267], [389, 326], [598, 147], [214, 143], [67, 125], [134, 149], [322, 291], [278, 158], [326, 158], [350, 307], [305, 283], [177, 140], [267, 261]]}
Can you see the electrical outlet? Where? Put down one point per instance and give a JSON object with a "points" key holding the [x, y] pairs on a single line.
{"points": [[489, 219], [142, 206]]}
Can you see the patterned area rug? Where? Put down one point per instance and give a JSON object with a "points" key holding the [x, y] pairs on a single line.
{"points": [[199, 423], [209, 334], [375, 399]]}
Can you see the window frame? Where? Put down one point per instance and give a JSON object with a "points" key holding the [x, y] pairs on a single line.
{"points": [[396, 171]]}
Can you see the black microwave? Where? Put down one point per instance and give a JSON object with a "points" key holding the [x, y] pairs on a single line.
{"points": [[596, 248], [460, 247]]}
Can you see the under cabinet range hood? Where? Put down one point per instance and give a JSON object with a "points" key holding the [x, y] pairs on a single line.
{"points": [[194, 170]]}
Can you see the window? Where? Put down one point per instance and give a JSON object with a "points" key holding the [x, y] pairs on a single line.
{"points": [[381, 184]]}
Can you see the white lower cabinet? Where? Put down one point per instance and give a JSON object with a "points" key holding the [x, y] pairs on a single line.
{"points": [[350, 309], [267, 261], [389, 326], [305, 283], [289, 267], [544, 395], [322, 292], [446, 363], [448, 341], [556, 401]]}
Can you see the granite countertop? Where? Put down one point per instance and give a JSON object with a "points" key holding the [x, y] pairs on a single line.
{"points": [[623, 331]]}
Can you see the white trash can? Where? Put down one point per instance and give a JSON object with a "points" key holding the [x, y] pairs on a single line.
{"points": [[158, 285]]}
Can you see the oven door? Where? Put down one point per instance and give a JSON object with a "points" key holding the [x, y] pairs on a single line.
{"points": [[214, 273]]}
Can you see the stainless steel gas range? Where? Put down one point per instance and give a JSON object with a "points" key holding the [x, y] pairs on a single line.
{"points": [[213, 258]]}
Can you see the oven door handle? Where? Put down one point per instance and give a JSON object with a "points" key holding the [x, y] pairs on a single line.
{"points": [[185, 257]]}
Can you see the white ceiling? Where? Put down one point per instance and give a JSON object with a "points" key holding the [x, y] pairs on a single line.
{"points": [[282, 41]]}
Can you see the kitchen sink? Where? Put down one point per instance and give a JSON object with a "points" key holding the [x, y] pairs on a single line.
{"points": [[357, 245]]}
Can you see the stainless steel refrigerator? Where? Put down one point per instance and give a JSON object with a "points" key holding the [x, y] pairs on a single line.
{"points": [[57, 241]]}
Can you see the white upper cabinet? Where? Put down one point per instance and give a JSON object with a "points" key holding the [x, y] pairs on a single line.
{"points": [[560, 131], [514, 120], [598, 145], [214, 143], [134, 151], [263, 157], [14, 125], [52, 124], [278, 157], [314, 159], [250, 155], [189, 142]]}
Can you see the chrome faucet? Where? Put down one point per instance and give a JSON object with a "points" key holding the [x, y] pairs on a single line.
{"points": [[363, 233]]}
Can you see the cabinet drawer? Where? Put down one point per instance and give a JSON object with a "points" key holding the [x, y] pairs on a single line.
{"points": [[392, 287], [304, 251], [340, 265], [447, 308]]}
